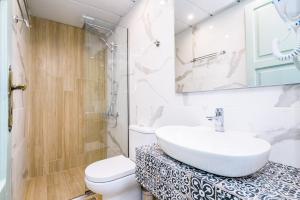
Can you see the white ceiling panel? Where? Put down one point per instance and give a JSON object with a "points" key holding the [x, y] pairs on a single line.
{"points": [[200, 9], [118, 7], [109, 12], [183, 8], [212, 6], [71, 11]]}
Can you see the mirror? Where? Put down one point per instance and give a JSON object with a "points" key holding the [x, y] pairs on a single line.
{"points": [[229, 44]]}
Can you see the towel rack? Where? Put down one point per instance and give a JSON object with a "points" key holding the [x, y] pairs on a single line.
{"points": [[25, 16], [212, 55]]}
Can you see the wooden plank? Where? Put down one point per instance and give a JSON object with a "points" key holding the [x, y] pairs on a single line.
{"points": [[63, 85]]}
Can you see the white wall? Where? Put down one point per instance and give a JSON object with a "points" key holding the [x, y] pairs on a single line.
{"points": [[273, 112]]}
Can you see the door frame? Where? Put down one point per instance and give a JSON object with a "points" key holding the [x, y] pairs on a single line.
{"points": [[5, 138], [253, 61]]}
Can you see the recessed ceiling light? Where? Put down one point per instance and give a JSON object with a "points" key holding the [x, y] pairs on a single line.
{"points": [[162, 2], [190, 17]]}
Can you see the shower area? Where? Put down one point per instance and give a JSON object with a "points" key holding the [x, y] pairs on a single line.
{"points": [[77, 103]]}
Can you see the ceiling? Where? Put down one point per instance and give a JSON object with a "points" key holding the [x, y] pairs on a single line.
{"points": [[106, 12], [191, 12], [109, 12]]}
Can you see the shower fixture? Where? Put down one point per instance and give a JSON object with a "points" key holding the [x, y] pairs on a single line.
{"points": [[25, 16], [157, 43], [91, 21], [112, 46], [18, 19]]}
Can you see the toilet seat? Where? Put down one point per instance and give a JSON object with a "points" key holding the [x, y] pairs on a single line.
{"points": [[110, 169]]}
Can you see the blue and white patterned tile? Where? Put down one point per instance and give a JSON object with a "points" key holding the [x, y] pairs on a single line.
{"points": [[223, 195], [271, 169], [202, 190], [285, 190], [267, 195], [178, 196], [165, 172], [240, 188], [163, 192], [288, 179], [140, 158], [139, 174], [146, 181], [208, 177], [152, 166], [257, 180], [180, 181], [289, 175], [168, 179]]}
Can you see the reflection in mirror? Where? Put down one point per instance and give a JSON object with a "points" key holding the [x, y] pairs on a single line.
{"points": [[228, 44]]}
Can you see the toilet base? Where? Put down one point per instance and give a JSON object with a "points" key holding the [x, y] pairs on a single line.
{"points": [[133, 194], [125, 188]]}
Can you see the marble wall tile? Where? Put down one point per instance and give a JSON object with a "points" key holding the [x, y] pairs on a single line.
{"points": [[290, 95], [271, 112]]}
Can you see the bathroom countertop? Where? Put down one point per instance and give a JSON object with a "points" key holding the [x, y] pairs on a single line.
{"points": [[167, 178]]}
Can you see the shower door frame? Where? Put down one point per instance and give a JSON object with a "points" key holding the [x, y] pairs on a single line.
{"points": [[128, 92]]}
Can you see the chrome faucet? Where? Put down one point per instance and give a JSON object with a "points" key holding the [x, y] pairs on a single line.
{"points": [[218, 120]]}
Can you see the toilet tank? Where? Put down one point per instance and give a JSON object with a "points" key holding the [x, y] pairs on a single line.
{"points": [[139, 136]]}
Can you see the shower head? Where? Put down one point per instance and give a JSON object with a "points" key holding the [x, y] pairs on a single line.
{"points": [[111, 45], [86, 17], [102, 31], [99, 28], [97, 23]]}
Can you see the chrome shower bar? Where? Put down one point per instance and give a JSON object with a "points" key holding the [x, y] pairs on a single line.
{"points": [[22, 18]]}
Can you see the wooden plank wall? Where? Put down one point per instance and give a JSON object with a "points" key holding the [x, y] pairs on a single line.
{"points": [[65, 99]]}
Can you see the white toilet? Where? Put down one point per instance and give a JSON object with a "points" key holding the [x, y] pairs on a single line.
{"points": [[114, 178]]}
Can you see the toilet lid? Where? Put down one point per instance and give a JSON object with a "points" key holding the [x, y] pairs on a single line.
{"points": [[110, 169]]}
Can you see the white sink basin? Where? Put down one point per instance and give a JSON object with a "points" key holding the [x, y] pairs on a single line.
{"points": [[226, 154]]}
